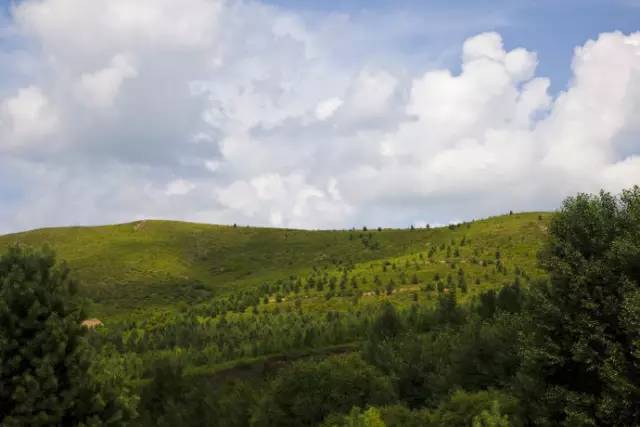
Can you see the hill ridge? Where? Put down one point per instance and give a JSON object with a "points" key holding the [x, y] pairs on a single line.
{"points": [[125, 266]]}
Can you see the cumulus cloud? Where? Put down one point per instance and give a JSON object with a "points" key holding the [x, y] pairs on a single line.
{"points": [[370, 98], [71, 28], [327, 108], [179, 187], [249, 113], [26, 116], [286, 200], [99, 89]]}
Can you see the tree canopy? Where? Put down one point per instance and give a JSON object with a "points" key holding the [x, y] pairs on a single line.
{"points": [[581, 354]]}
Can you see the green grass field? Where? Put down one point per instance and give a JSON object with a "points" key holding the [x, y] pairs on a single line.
{"points": [[163, 264]]}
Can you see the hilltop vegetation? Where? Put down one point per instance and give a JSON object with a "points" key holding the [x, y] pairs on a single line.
{"points": [[158, 264]]}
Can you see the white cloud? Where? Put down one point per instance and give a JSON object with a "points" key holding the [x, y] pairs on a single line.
{"points": [[26, 116], [327, 108], [99, 89], [581, 132], [179, 187], [492, 135], [76, 28], [369, 97], [253, 114], [286, 200], [483, 46]]}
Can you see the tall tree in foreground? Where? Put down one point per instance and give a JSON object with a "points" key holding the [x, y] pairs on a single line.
{"points": [[46, 372], [582, 353]]}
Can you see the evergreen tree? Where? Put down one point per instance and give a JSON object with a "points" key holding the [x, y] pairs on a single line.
{"points": [[487, 304], [462, 284], [387, 323], [47, 374], [390, 287], [510, 297], [447, 309]]}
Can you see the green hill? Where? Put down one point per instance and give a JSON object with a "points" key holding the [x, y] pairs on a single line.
{"points": [[156, 264], [227, 304], [457, 325]]}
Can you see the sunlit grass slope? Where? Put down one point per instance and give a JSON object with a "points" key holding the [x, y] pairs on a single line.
{"points": [[154, 264]]}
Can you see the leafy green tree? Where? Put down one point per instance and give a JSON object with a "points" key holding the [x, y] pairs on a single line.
{"points": [[164, 400], [412, 361], [47, 374], [358, 418], [306, 392], [491, 418], [457, 351], [478, 409], [483, 354], [510, 298], [581, 358], [399, 415], [173, 399], [230, 406]]}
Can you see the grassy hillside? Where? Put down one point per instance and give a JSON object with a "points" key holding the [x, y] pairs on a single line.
{"points": [[156, 264], [229, 304], [248, 323]]}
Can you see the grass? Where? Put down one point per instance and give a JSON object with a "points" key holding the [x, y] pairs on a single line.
{"points": [[161, 264]]}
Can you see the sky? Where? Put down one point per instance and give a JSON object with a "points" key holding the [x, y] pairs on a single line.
{"points": [[312, 114]]}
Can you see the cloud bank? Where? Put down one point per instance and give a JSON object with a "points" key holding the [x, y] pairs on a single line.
{"points": [[240, 112]]}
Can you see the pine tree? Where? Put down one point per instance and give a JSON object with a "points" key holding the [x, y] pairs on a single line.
{"points": [[47, 369], [462, 284], [390, 287], [387, 323]]}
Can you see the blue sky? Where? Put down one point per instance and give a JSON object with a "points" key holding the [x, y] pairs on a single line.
{"points": [[312, 114], [552, 28]]}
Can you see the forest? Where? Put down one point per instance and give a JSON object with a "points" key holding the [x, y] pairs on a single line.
{"points": [[519, 320]]}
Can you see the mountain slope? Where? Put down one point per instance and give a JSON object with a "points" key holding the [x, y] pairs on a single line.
{"points": [[159, 263]]}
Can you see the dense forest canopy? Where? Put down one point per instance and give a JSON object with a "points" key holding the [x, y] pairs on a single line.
{"points": [[525, 319]]}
